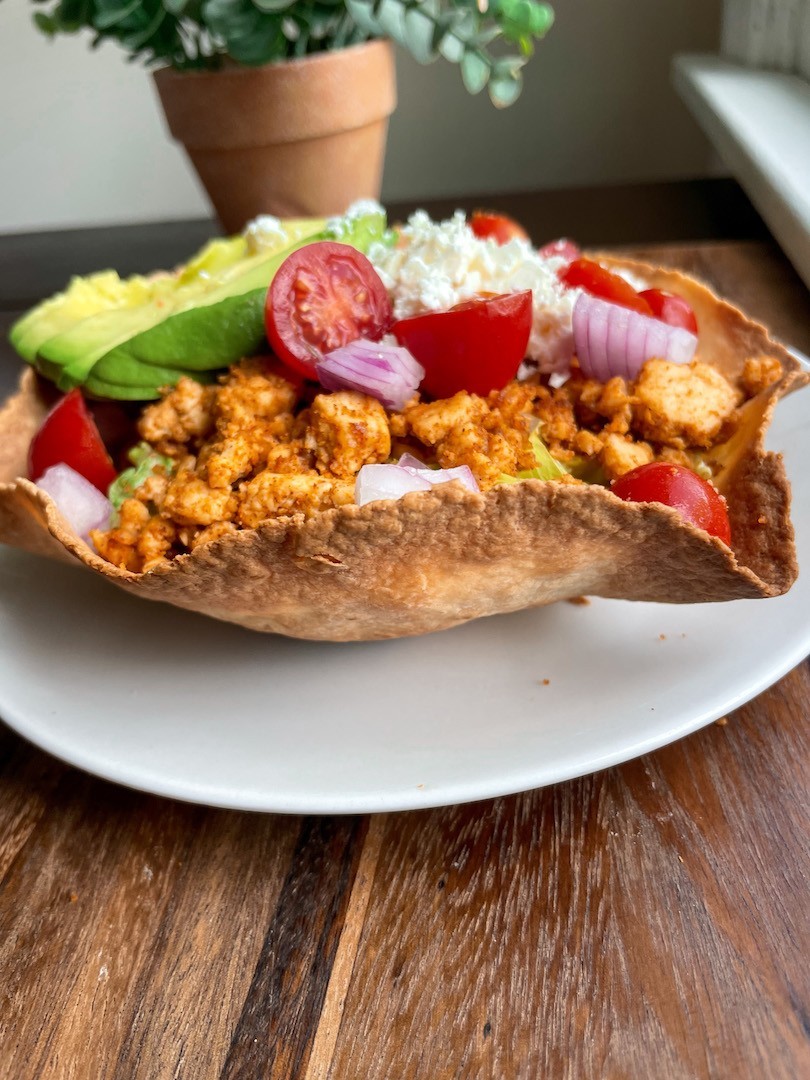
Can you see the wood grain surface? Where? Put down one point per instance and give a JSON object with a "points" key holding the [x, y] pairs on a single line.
{"points": [[646, 923]]}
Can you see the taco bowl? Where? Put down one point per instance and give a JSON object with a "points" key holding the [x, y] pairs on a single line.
{"points": [[434, 559]]}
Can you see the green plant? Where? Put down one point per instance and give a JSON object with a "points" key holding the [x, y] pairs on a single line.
{"points": [[490, 40]]}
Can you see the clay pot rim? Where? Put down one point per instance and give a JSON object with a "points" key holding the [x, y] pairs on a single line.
{"points": [[231, 69], [305, 98]]}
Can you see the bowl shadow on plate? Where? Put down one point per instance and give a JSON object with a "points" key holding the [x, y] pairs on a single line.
{"points": [[59, 607]]}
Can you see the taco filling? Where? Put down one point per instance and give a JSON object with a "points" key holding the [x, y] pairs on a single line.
{"points": [[257, 446], [437, 361]]}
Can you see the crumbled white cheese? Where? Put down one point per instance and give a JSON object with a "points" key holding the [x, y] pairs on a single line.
{"points": [[364, 208], [263, 232], [438, 264]]}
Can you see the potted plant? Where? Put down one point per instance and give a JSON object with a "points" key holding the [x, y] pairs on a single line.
{"points": [[283, 105]]}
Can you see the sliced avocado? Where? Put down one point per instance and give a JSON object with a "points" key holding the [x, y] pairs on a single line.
{"points": [[119, 392], [94, 314], [201, 319], [69, 357], [199, 332], [82, 298], [216, 271], [216, 256]]}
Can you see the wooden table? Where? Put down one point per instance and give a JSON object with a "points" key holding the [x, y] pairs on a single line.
{"points": [[647, 923]]}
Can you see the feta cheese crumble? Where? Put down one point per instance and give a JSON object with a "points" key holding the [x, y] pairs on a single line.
{"points": [[263, 232], [436, 265]]}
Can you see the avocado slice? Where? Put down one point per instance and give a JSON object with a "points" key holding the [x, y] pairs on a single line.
{"points": [[69, 356], [83, 298], [200, 319], [204, 332]]}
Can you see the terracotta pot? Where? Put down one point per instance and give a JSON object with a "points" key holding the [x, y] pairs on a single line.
{"points": [[301, 138]]}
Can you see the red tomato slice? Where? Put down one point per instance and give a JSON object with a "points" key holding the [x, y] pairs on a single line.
{"points": [[560, 249], [598, 281], [678, 487], [69, 435], [497, 227], [671, 309], [475, 346], [323, 296]]}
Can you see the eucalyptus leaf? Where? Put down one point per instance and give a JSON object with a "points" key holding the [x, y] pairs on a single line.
{"points": [[115, 14], [418, 31], [363, 14], [504, 90], [74, 13], [475, 69], [140, 37], [441, 25], [46, 23], [391, 20], [452, 48], [177, 7], [205, 34], [273, 6]]}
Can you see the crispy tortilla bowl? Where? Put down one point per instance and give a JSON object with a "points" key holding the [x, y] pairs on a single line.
{"points": [[434, 559]]}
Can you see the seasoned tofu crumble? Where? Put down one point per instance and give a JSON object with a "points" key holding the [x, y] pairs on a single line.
{"points": [[257, 446]]}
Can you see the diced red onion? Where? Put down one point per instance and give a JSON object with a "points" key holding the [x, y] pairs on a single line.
{"points": [[439, 476], [79, 502], [613, 340], [386, 372], [409, 474], [408, 461], [386, 482]]}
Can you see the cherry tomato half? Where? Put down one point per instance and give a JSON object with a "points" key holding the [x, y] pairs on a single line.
{"points": [[324, 295], [475, 346], [69, 435], [598, 281], [498, 227], [678, 487], [671, 309], [560, 249]]}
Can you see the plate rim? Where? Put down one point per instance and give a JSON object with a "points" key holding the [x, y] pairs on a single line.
{"points": [[420, 798]]}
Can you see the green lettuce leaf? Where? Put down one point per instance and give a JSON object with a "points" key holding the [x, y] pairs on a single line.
{"points": [[144, 462], [547, 468]]}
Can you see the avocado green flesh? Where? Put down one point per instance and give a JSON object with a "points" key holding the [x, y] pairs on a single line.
{"points": [[72, 355], [99, 388], [67, 335], [128, 372], [82, 299], [201, 319], [200, 339], [75, 352], [215, 257]]}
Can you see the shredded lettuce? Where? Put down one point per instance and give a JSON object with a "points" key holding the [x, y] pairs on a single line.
{"points": [[588, 470], [144, 462], [547, 468]]}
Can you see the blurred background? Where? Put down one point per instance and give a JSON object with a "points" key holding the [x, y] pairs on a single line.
{"points": [[84, 144]]}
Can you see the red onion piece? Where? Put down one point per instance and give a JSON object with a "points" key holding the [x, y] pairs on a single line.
{"points": [[376, 482], [439, 476], [386, 372], [79, 502], [613, 340], [410, 474]]}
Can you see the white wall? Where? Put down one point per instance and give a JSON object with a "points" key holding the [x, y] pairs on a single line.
{"points": [[82, 141]]}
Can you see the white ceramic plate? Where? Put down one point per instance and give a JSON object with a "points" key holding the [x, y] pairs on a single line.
{"points": [[175, 704]]}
